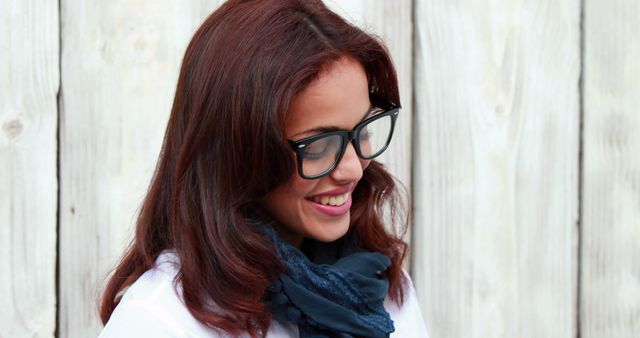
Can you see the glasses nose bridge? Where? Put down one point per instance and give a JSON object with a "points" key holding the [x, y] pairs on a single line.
{"points": [[350, 138], [351, 135]]}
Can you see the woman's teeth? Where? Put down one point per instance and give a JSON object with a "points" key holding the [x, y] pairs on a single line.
{"points": [[332, 200]]}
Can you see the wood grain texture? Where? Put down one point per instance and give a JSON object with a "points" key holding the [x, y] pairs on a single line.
{"points": [[610, 269], [29, 82], [496, 167], [120, 61]]}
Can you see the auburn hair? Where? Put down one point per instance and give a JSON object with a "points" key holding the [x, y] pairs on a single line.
{"points": [[224, 148]]}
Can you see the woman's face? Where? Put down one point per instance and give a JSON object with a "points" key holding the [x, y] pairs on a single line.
{"points": [[339, 98]]}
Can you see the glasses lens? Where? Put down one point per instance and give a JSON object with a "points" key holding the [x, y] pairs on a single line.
{"points": [[374, 136], [321, 155]]}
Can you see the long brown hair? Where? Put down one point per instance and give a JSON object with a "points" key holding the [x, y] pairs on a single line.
{"points": [[224, 149]]}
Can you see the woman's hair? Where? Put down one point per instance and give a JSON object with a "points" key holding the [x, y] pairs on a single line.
{"points": [[224, 149]]}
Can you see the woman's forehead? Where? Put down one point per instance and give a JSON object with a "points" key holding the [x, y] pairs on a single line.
{"points": [[339, 97]]}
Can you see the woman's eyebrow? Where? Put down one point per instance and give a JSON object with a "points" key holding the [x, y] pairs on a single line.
{"points": [[318, 130], [325, 129]]}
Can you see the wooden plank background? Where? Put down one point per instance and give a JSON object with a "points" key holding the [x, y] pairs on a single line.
{"points": [[29, 82], [523, 224], [610, 255], [496, 167]]}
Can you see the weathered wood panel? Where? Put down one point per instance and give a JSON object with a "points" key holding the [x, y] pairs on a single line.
{"points": [[610, 270], [29, 82], [496, 167], [496, 127], [120, 61]]}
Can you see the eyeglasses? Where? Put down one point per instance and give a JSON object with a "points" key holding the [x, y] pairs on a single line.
{"points": [[319, 155]]}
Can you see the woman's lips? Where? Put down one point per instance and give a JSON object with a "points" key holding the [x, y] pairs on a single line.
{"points": [[331, 210]]}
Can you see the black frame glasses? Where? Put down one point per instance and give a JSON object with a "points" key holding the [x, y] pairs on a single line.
{"points": [[348, 136]]}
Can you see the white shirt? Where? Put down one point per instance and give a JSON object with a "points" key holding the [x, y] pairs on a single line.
{"points": [[153, 307]]}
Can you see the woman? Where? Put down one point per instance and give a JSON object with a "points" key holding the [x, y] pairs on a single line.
{"points": [[264, 215]]}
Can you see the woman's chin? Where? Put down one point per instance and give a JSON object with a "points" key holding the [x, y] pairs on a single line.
{"points": [[330, 231]]}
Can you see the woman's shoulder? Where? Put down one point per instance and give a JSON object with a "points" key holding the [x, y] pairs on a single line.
{"points": [[152, 306], [407, 319]]}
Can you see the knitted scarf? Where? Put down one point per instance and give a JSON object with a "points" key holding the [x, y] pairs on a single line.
{"points": [[333, 290]]}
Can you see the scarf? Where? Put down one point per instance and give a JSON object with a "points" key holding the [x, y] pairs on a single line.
{"points": [[333, 290]]}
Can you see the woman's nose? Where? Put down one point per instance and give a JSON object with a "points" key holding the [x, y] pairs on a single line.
{"points": [[350, 166]]}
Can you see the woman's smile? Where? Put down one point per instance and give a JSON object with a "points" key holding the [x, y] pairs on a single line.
{"points": [[333, 203]]}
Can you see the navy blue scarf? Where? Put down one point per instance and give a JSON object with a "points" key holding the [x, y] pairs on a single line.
{"points": [[333, 290]]}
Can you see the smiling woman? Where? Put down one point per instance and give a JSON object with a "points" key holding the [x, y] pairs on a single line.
{"points": [[264, 216], [319, 208]]}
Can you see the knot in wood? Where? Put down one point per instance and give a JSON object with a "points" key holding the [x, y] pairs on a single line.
{"points": [[12, 128]]}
